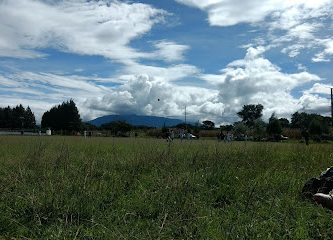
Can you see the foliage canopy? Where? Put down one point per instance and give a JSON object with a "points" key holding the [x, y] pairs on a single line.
{"points": [[250, 113], [17, 117], [63, 117]]}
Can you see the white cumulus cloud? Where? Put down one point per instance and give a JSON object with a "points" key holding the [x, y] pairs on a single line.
{"points": [[255, 79], [170, 51], [232, 12], [103, 28], [146, 95]]}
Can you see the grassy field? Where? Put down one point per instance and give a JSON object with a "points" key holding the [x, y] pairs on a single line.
{"points": [[110, 188]]}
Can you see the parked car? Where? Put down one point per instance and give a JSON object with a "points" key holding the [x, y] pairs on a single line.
{"points": [[283, 137], [190, 135], [277, 138]]}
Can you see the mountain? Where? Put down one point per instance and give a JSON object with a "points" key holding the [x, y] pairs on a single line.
{"points": [[150, 121]]}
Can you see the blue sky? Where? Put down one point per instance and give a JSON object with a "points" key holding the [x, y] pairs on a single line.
{"points": [[213, 56]]}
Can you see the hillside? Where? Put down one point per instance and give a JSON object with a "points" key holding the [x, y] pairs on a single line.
{"points": [[150, 121]]}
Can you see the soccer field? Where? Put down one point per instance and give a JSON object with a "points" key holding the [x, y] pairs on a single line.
{"points": [[122, 188]]}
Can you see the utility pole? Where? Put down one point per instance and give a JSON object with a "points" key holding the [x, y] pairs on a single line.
{"points": [[185, 115], [332, 105]]}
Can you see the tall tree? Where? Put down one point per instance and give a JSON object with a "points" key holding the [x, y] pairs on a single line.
{"points": [[259, 129], [250, 113], [17, 117], [240, 128], [9, 118], [63, 117], [207, 124], [6, 116], [29, 118], [284, 122], [315, 128], [274, 126], [303, 121], [227, 128], [300, 120]]}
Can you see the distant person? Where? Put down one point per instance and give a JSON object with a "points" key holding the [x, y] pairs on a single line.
{"points": [[172, 135], [219, 136], [181, 135], [135, 134], [228, 137], [306, 136], [222, 136], [168, 136]]}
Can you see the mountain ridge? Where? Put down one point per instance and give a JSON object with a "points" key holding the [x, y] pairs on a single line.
{"points": [[137, 120]]}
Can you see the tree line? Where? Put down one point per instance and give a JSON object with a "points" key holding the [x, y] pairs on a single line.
{"points": [[251, 115], [65, 117], [17, 117]]}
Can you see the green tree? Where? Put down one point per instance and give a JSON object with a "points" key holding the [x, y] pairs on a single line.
{"points": [[117, 127], [315, 128], [196, 129], [300, 120], [63, 117], [259, 129], [29, 118], [240, 128], [227, 128], [274, 126], [6, 117], [303, 121], [250, 113], [284, 122], [89, 126], [164, 129], [17, 117], [184, 126], [207, 124]]}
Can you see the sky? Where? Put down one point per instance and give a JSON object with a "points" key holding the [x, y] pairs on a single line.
{"points": [[212, 56]]}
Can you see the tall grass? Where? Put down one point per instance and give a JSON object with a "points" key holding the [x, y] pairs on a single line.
{"points": [[109, 188]]}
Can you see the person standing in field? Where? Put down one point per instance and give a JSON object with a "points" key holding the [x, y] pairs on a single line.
{"points": [[168, 136], [172, 135], [221, 136], [228, 137], [306, 136], [181, 135]]}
